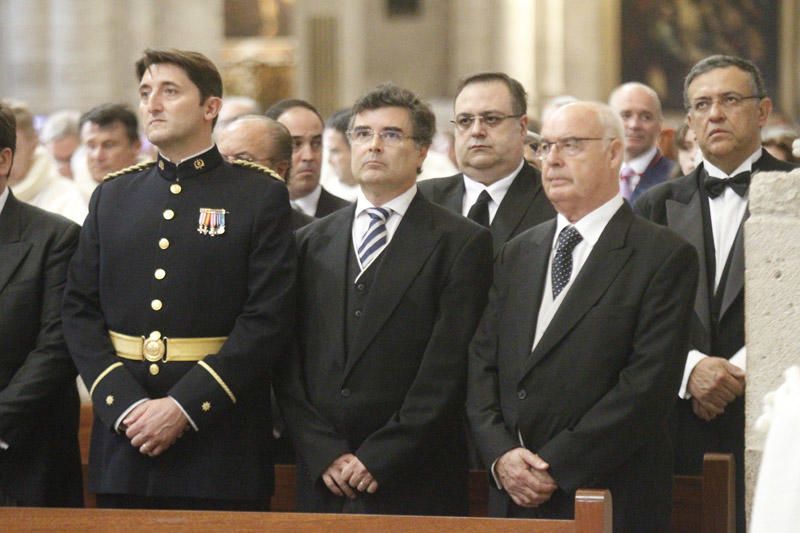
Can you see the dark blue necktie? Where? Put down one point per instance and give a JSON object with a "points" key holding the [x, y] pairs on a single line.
{"points": [[568, 239]]}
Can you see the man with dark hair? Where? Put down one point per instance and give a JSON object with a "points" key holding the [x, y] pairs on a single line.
{"points": [[726, 107], [178, 302], [305, 124], [338, 146], [496, 187], [573, 370], [110, 138], [40, 463], [645, 166], [264, 141], [390, 291]]}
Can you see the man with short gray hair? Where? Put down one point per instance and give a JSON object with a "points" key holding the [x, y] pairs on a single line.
{"points": [[593, 303]]}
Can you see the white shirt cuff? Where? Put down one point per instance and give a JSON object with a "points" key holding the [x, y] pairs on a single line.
{"points": [[3, 445], [125, 413], [189, 418], [692, 359], [494, 475], [740, 358]]}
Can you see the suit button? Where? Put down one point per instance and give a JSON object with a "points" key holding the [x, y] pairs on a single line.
{"points": [[521, 394], [169, 214], [357, 313], [360, 287], [345, 392], [163, 244]]}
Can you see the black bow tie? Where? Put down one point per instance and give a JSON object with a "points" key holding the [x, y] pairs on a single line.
{"points": [[739, 183]]}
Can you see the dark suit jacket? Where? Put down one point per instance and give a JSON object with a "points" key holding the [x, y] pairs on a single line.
{"points": [[678, 205], [328, 203], [238, 285], [658, 171], [395, 398], [593, 397], [523, 207], [38, 397]]}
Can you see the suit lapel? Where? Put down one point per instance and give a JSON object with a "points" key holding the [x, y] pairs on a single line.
{"points": [[451, 194], [334, 250], [525, 289], [515, 205], [685, 217], [415, 239], [12, 250], [605, 261]]}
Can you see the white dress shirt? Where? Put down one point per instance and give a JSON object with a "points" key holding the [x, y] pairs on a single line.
{"points": [[397, 207], [590, 227], [3, 197], [308, 203], [639, 164], [497, 191], [727, 212]]}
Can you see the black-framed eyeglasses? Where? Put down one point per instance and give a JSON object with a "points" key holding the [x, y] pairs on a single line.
{"points": [[727, 102], [464, 121], [569, 146]]}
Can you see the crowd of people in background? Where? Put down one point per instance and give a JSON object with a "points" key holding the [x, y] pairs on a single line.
{"points": [[565, 289]]}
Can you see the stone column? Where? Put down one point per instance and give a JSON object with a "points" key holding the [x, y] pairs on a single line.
{"points": [[772, 299]]}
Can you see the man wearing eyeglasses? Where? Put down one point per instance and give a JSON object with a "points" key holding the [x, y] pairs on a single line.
{"points": [[645, 166], [574, 367], [391, 291], [726, 108], [496, 187]]}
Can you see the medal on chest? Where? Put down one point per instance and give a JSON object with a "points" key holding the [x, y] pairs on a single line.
{"points": [[211, 221]]}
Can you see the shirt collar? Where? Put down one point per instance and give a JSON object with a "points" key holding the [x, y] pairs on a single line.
{"points": [[191, 166], [592, 225], [496, 190], [746, 166], [640, 163], [399, 204], [3, 197], [308, 203]]}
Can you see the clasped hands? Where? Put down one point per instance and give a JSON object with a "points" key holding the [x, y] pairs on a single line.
{"points": [[347, 475], [154, 425], [524, 476], [713, 384]]}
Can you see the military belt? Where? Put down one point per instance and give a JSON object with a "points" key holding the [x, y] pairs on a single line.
{"points": [[157, 348]]}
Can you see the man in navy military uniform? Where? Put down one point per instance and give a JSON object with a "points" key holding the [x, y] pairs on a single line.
{"points": [[178, 301]]}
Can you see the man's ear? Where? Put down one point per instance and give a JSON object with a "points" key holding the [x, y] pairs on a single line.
{"points": [[211, 107], [6, 161]]}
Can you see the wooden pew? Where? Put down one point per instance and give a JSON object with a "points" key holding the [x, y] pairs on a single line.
{"points": [[592, 515], [706, 504]]}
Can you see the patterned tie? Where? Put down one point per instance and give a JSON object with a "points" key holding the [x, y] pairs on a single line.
{"points": [[375, 238], [739, 183], [625, 185], [479, 212], [568, 239]]}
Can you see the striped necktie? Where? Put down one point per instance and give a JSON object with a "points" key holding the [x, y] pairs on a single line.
{"points": [[375, 238]]}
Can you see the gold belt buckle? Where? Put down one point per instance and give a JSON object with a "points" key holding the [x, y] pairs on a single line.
{"points": [[154, 348]]}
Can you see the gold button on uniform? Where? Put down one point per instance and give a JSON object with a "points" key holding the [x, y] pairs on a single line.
{"points": [[155, 334], [169, 214], [206, 407], [109, 400], [163, 244], [160, 273], [154, 370], [175, 188], [156, 305]]}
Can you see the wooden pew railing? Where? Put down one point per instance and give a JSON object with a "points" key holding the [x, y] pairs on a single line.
{"points": [[700, 503], [706, 504]]}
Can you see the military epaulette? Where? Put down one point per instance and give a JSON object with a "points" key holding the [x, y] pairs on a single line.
{"points": [[256, 166], [134, 168]]}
